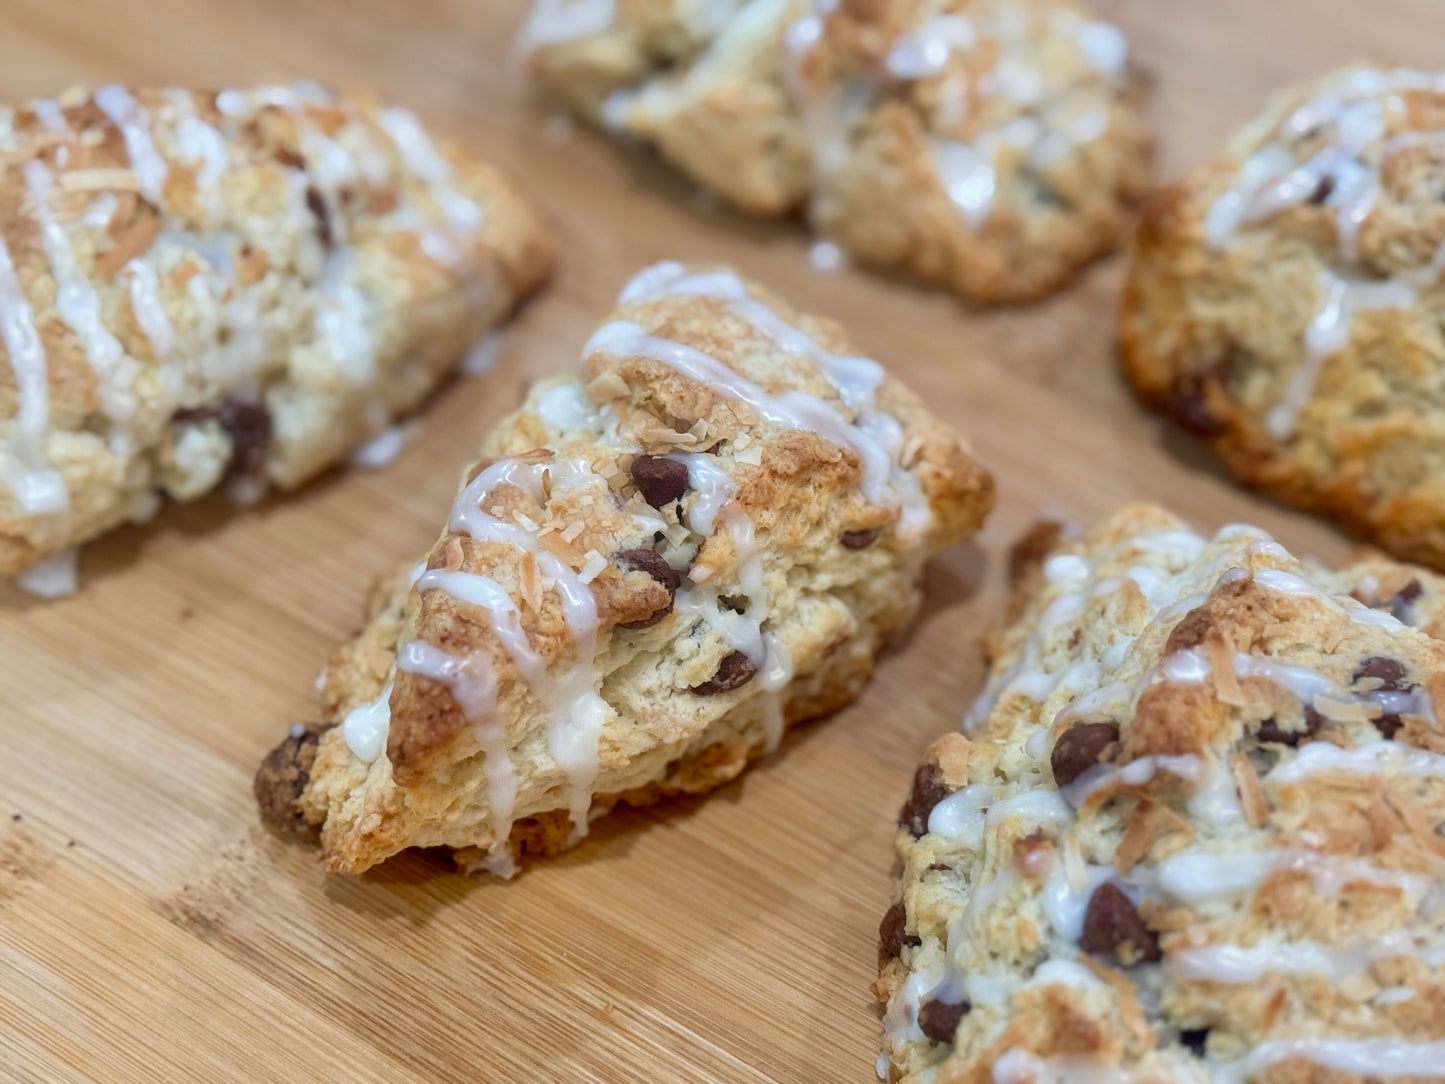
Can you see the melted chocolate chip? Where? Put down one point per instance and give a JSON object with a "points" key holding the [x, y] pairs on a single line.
{"points": [[317, 206], [735, 671], [1081, 747], [941, 866], [1390, 673], [288, 158], [1112, 927], [652, 563], [939, 1019], [250, 427], [928, 791], [661, 480], [1271, 731], [1322, 190], [1387, 725], [1403, 603], [858, 540], [1194, 1039], [893, 931], [1190, 394]]}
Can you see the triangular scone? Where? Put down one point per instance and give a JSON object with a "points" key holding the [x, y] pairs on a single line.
{"points": [[1190, 831], [659, 564], [992, 146], [242, 287]]}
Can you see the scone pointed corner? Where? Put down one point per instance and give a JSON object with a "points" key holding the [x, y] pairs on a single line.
{"points": [[1200, 770], [656, 567]]}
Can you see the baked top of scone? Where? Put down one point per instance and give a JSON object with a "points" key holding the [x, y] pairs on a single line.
{"points": [[989, 145], [1190, 828], [658, 564], [1284, 302], [245, 285]]}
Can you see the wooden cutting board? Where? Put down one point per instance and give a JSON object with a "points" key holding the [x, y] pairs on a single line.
{"points": [[150, 930]]}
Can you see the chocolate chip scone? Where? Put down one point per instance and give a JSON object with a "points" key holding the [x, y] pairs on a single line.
{"points": [[658, 565], [201, 287], [1191, 830], [993, 146], [1284, 302]]}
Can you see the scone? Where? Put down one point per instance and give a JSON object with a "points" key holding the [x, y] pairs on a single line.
{"points": [[658, 565], [198, 288], [992, 146], [1190, 830], [1284, 302]]}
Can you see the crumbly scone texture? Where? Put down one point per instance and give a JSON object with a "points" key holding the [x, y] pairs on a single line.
{"points": [[1284, 303], [992, 146], [1190, 830], [659, 564], [240, 287]]}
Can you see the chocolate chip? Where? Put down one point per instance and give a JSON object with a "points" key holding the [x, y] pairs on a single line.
{"points": [[939, 1019], [1322, 190], [652, 563], [288, 158], [1194, 1039], [735, 671], [660, 479], [1112, 927], [941, 866], [317, 206], [928, 791], [1403, 603], [1387, 725], [1390, 673], [1081, 747], [250, 427], [858, 540], [893, 931], [281, 780], [1271, 731]]}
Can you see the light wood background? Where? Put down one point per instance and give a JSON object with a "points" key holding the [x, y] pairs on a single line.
{"points": [[149, 930]]}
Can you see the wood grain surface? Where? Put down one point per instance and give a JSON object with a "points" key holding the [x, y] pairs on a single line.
{"points": [[150, 930]]}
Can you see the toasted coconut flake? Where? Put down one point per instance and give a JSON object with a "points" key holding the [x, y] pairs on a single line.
{"points": [[1340, 711], [1436, 686], [99, 180], [526, 522], [1251, 791], [1127, 1001], [1221, 669], [1138, 838], [128, 245], [454, 555], [592, 567], [607, 386], [571, 531], [1419, 827], [951, 753], [120, 217], [912, 452], [546, 484], [554, 543], [529, 579], [1163, 919]]}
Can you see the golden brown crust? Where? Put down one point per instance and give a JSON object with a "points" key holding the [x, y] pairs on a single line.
{"points": [[228, 288], [726, 500]]}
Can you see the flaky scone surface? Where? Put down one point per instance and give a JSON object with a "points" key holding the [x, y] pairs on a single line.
{"points": [[1284, 302], [993, 146], [1189, 832], [657, 566], [200, 287]]}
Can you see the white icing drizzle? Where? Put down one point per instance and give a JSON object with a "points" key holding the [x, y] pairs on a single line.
{"points": [[874, 435], [1386, 758], [1193, 875], [78, 305], [1346, 170], [55, 577], [577, 711], [204, 147], [1372, 1058], [150, 312], [381, 450], [482, 358], [1239, 964], [924, 50], [554, 22], [24, 467], [473, 686], [461, 215], [134, 124], [365, 726]]}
